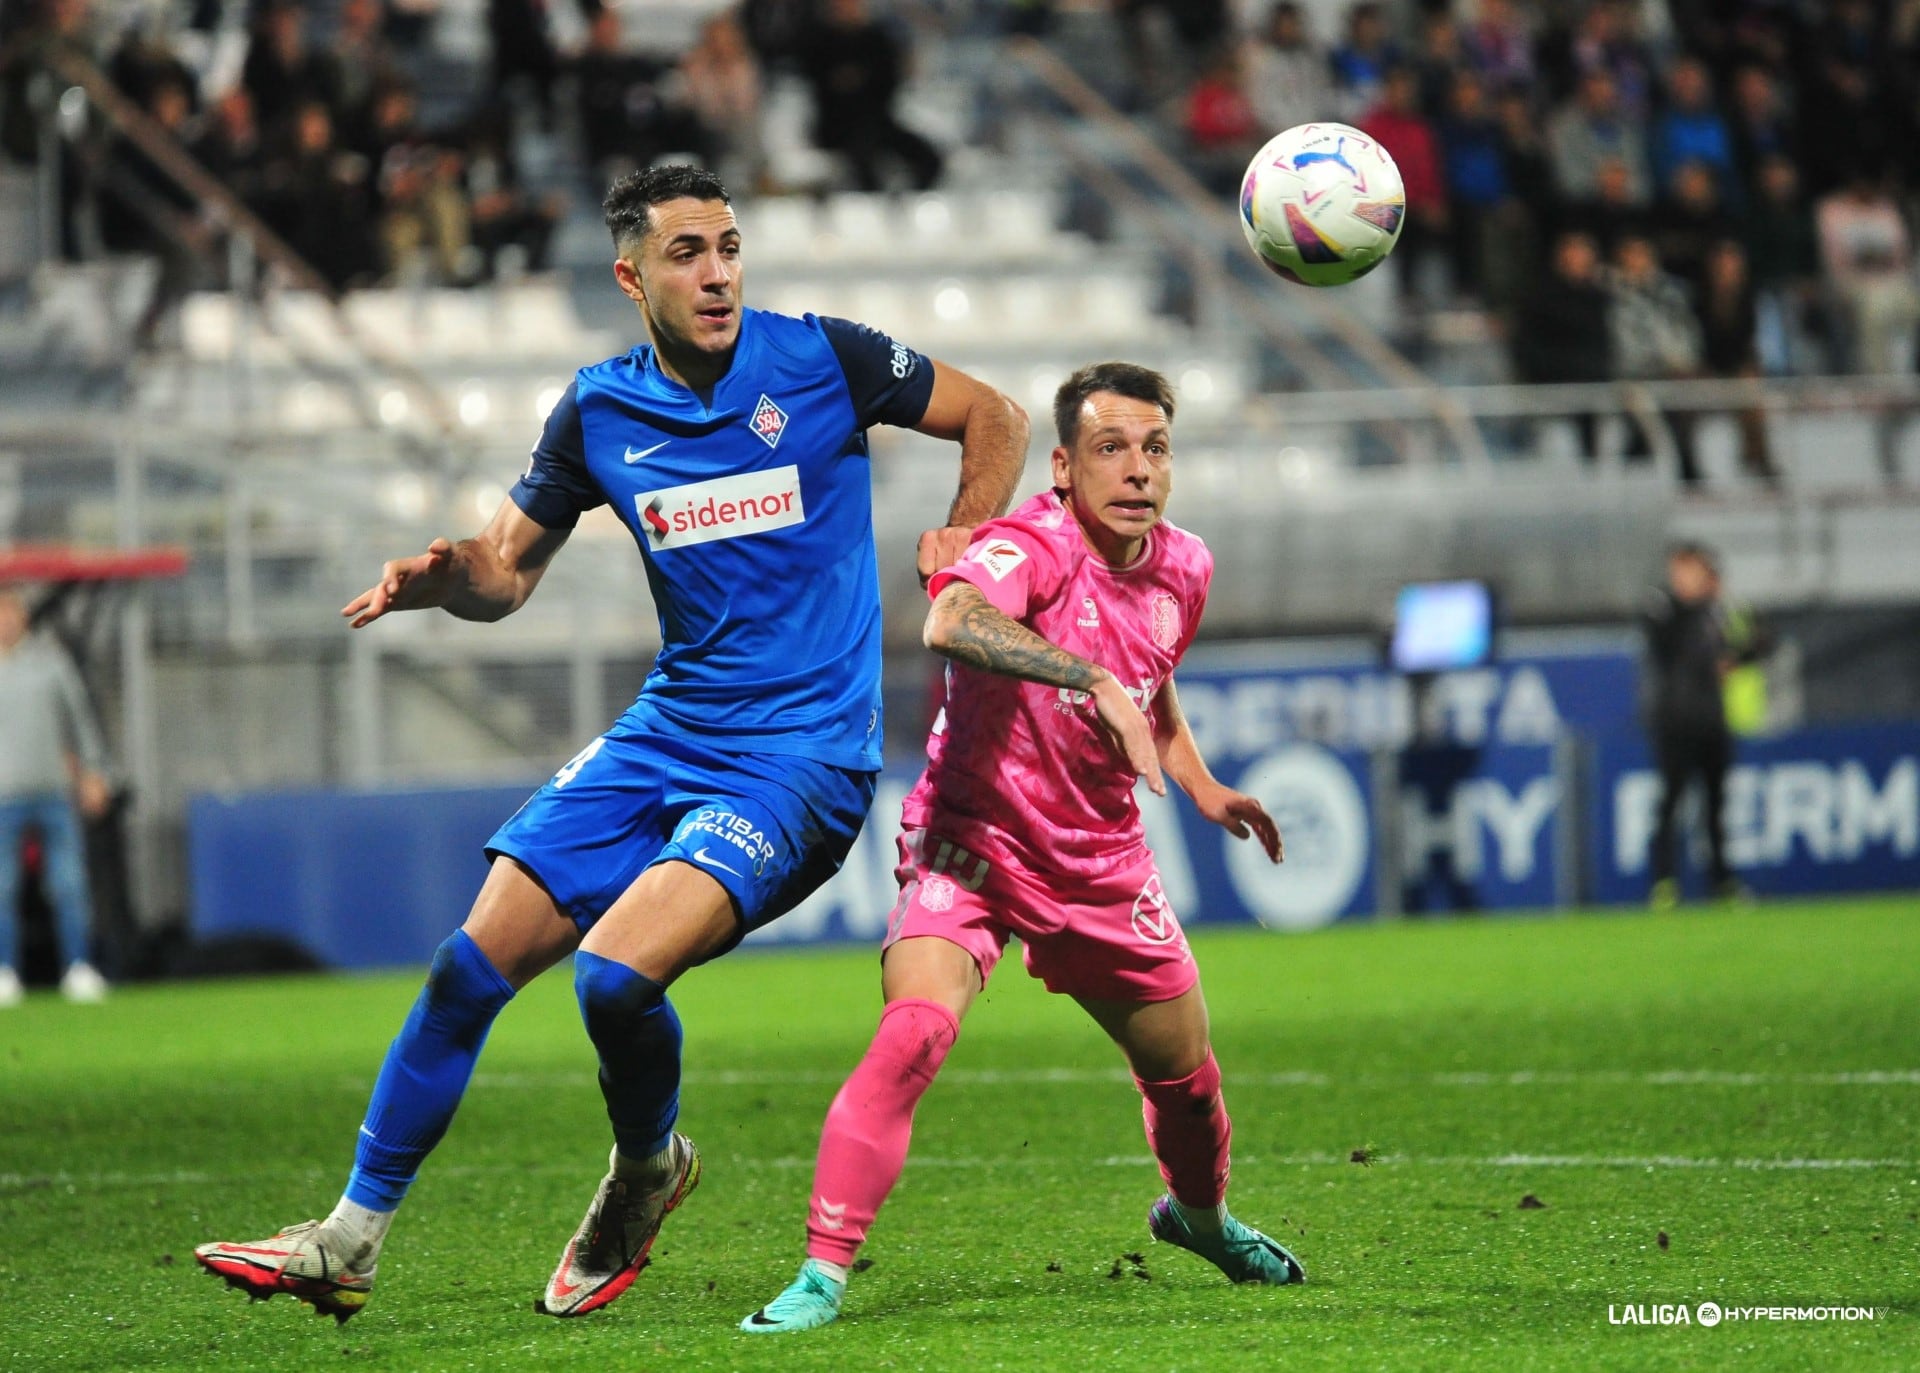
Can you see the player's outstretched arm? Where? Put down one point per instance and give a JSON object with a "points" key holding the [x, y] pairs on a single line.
{"points": [[486, 577], [1239, 814], [992, 433], [965, 627]]}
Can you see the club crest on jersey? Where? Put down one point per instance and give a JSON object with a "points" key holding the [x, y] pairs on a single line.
{"points": [[1153, 918], [1166, 620], [937, 893], [769, 421]]}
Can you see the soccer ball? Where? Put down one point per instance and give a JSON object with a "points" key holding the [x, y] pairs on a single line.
{"points": [[1322, 204]]}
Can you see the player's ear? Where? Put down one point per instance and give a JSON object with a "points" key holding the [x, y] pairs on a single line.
{"points": [[627, 276], [1061, 468]]}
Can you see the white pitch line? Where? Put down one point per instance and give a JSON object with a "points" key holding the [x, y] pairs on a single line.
{"points": [[1040, 1077], [74, 1182]]}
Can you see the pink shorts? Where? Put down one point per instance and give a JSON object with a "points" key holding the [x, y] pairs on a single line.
{"points": [[1112, 937]]}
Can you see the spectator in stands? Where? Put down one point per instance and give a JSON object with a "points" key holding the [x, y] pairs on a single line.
{"points": [[1360, 63], [1690, 222], [425, 230], [1686, 663], [856, 66], [144, 210], [1691, 129], [524, 60], [1867, 259], [1287, 72], [1762, 126], [1501, 46], [503, 215], [1607, 41], [282, 73], [1157, 69], [51, 759], [1405, 133], [363, 65], [1729, 327], [1847, 96], [1529, 161], [1561, 333], [627, 116], [1591, 130], [777, 31], [722, 83], [316, 196], [1222, 129], [229, 145], [1783, 256], [1440, 57], [145, 61], [1613, 212], [1478, 188], [1656, 337]]}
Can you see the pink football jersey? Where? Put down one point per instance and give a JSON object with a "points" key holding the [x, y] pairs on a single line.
{"points": [[1024, 771]]}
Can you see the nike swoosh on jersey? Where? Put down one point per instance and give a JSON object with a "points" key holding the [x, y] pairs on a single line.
{"points": [[633, 457], [701, 857]]}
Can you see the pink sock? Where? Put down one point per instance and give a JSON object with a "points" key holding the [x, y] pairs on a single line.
{"points": [[1189, 1133], [863, 1145]]}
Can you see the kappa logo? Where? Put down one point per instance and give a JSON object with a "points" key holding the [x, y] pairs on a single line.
{"points": [[1153, 918], [1166, 620], [769, 421]]}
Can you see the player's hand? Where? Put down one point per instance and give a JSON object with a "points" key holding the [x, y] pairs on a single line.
{"points": [[941, 548], [1243, 817], [1130, 732], [415, 583]]}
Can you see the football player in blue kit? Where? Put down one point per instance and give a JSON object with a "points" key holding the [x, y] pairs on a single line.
{"points": [[734, 449]]}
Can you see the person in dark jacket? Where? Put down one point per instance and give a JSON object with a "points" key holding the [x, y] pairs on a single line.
{"points": [[1686, 663], [856, 66], [1561, 334]]}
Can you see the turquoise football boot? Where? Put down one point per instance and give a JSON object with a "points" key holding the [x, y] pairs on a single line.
{"points": [[812, 1301], [1239, 1251]]}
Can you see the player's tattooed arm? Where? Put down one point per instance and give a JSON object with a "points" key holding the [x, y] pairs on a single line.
{"points": [[964, 626]]}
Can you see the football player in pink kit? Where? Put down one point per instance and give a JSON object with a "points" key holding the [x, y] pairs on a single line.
{"points": [[1064, 623]]}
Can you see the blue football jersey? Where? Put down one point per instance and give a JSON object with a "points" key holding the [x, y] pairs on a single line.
{"points": [[754, 515]]}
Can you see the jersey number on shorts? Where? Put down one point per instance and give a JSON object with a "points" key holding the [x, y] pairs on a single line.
{"points": [[951, 859], [578, 761]]}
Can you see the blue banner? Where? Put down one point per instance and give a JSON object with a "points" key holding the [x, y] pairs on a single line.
{"points": [[1818, 810], [1479, 829]]}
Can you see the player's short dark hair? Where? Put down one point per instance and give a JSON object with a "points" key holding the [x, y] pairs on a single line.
{"points": [[630, 200], [1122, 378]]}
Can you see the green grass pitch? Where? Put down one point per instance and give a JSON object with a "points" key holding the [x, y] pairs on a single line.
{"points": [[1710, 1106]]}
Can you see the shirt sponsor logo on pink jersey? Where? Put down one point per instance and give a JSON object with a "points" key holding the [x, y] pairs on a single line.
{"points": [[1166, 620]]}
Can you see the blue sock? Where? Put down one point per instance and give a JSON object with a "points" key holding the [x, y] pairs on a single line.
{"points": [[634, 1027], [426, 1072]]}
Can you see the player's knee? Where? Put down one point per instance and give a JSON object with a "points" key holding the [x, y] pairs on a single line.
{"points": [[917, 1035], [612, 994], [463, 987]]}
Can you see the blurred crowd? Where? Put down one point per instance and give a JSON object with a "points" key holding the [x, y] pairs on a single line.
{"points": [[316, 123], [1638, 188]]}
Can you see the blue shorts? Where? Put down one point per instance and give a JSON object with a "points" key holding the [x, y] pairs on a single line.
{"points": [[770, 828]]}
